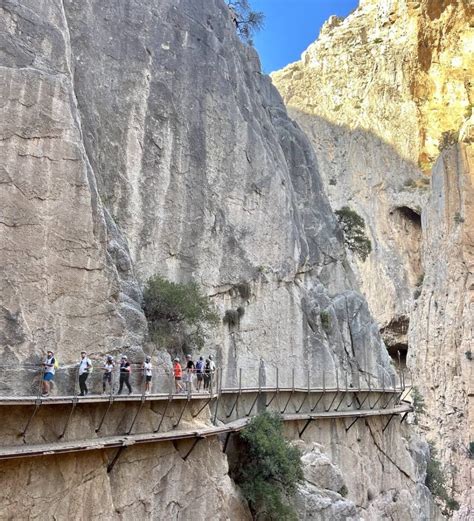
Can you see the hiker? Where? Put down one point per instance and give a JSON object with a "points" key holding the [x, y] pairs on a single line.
{"points": [[147, 372], [199, 373], [207, 374], [178, 374], [212, 368], [125, 371], [190, 369], [48, 372], [85, 366], [108, 367]]}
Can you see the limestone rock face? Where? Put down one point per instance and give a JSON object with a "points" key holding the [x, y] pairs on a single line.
{"points": [[382, 94], [142, 137], [442, 323], [379, 93]]}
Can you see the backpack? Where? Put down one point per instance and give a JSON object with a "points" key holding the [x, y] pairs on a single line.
{"points": [[56, 363]]}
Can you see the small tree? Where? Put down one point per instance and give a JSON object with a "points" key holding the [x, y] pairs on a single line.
{"points": [[353, 226], [269, 469], [436, 481], [247, 22], [177, 313]]}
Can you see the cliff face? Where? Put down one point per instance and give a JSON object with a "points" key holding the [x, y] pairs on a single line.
{"points": [[442, 319], [379, 93], [382, 94], [140, 138]]}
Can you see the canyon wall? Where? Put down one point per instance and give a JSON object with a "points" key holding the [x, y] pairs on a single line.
{"points": [[382, 94], [142, 138]]}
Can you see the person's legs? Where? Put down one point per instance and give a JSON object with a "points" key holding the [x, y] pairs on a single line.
{"points": [[122, 379], [82, 383], [127, 383]]}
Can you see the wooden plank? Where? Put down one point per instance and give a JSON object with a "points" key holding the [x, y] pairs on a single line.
{"points": [[21, 451]]}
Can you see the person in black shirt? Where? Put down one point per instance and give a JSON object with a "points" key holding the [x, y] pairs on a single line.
{"points": [[125, 370]]}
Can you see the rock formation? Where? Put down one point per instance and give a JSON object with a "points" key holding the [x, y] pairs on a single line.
{"points": [[142, 138], [382, 94]]}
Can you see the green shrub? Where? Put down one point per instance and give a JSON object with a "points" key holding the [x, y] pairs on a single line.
{"points": [[458, 218], [268, 469], [244, 290], [420, 280], [436, 481], [353, 226], [448, 139], [378, 40], [468, 355], [418, 402], [232, 316], [325, 320], [471, 449], [177, 313], [344, 491]]}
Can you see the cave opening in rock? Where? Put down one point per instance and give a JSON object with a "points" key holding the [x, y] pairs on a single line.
{"points": [[395, 336], [410, 215]]}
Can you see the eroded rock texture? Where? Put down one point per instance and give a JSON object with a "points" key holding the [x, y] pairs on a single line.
{"points": [[379, 93], [442, 331], [141, 137]]}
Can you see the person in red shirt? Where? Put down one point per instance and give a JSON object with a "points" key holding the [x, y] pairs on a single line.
{"points": [[178, 375]]}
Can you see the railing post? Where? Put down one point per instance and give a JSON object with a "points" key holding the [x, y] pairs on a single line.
{"points": [[74, 402]]}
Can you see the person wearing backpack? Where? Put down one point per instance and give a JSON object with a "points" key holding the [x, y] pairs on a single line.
{"points": [[85, 367], [125, 371], [49, 369], [199, 373]]}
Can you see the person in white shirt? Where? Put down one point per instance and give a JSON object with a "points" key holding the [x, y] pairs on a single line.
{"points": [[85, 365], [147, 373], [109, 365]]}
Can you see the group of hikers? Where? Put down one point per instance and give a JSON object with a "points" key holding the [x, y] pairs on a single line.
{"points": [[202, 372]]}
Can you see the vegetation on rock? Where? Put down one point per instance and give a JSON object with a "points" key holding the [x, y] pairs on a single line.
{"points": [[177, 313], [353, 226], [247, 21], [436, 482], [269, 469]]}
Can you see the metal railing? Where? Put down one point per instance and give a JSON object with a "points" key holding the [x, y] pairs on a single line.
{"points": [[26, 381]]}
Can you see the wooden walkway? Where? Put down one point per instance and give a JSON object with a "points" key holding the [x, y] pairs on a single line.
{"points": [[123, 441]]}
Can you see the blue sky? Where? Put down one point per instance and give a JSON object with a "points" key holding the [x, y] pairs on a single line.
{"points": [[291, 25]]}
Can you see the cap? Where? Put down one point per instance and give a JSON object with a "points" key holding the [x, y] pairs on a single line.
{"points": [[124, 356]]}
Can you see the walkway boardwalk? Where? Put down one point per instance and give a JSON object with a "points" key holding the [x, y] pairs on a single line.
{"points": [[128, 440]]}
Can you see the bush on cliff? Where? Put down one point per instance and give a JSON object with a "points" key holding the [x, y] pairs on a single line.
{"points": [[247, 21], [268, 469], [177, 313], [353, 226], [436, 481]]}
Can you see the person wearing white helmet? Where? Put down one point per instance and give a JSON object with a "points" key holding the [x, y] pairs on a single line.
{"points": [[147, 373], [125, 371], [178, 374], [190, 370], [108, 367]]}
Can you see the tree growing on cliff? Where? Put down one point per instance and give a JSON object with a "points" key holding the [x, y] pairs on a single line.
{"points": [[353, 226], [177, 313], [268, 469], [247, 22]]}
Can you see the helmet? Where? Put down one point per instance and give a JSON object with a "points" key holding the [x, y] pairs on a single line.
{"points": [[210, 357], [148, 358], [110, 357], [188, 356], [176, 360], [124, 357]]}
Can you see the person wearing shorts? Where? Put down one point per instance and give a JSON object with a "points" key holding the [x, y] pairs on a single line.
{"points": [[48, 372], [147, 373], [199, 373], [190, 370], [178, 375]]}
